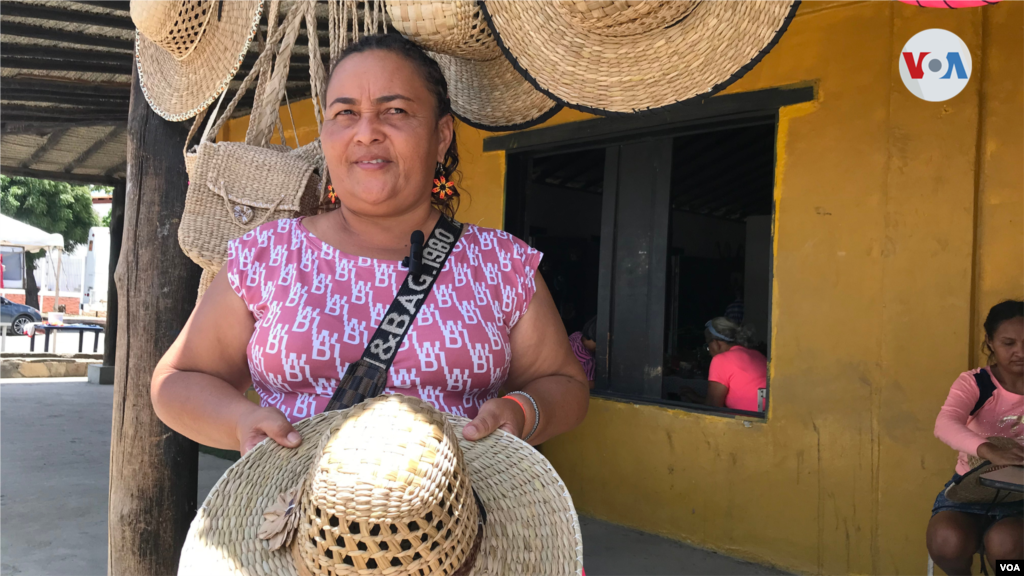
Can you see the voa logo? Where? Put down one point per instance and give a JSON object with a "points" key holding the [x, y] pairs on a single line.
{"points": [[935, 65]]}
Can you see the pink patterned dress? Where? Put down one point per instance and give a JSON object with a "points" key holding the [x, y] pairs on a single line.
{"points": [[316, 307]]}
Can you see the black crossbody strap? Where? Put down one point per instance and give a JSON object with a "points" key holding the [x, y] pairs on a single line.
{"points": [[985, 389], [368, 377]]}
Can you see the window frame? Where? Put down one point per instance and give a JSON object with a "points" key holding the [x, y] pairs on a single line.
{"points": [[651, 131]]}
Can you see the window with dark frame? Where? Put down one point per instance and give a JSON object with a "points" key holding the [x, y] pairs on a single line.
{"points": [[686, 224]]}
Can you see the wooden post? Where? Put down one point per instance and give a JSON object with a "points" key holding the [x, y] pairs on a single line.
{"points": [[153, 470], [116, 231]]}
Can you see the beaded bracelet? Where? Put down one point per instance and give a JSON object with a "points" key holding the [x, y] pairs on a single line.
{"points": [[536, 410]]}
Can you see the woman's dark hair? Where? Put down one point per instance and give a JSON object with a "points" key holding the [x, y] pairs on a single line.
{"points": [[589, 330], [436, 83], [1007, 310]]}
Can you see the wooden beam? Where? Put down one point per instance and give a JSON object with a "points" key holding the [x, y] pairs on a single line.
{"points": [[46, 126], [58, 176], [40, 33], [64, 65], [153, 470], [92, 150], [119, 5], [116, 232], [75, 55], [47, 13], [52, 140], [64, 85], [67, 98], [18, 108]]}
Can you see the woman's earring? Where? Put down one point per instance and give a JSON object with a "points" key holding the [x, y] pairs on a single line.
{"points": [[443, 188], [331, 196]]}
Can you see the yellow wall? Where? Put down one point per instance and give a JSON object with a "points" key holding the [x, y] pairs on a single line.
{"points": [[879, 292], [898, 224]]}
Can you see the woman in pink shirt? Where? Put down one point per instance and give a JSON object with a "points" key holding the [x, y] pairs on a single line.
{"points": [[738, 373], [298, 299], [983, 403]]}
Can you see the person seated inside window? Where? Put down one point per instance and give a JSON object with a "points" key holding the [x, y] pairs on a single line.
{"points": [[584, 345], [738, 372]]}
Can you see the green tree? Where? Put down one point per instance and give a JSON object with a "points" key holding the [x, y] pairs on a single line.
{"points": [[105, 220], [54, 207]]}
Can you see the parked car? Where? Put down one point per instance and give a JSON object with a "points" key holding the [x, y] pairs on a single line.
{"points": [[18, 316]]}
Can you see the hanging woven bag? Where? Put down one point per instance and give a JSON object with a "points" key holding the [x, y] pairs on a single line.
{"points": [[236, 186]]}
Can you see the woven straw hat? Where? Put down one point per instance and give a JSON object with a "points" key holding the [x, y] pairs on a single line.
{"points": [[485, 89], [387, 487], [617, 57], [188, 50], [970, 489]]}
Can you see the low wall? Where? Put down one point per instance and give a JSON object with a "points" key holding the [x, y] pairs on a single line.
{"points": [[71, 303], [48, 365]]}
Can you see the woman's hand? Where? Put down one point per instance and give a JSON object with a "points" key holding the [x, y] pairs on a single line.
{"points": [[1013, 455], [494, 414], [260, 423]]}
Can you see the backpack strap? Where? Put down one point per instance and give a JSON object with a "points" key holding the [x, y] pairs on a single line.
{"points": [[985, 389], [368, 377]]}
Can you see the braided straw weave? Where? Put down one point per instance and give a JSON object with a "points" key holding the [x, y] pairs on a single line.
{"points": [[971, 490], [186, 54], [485, 89], [630, 56], [386, 487], [235, 187]]}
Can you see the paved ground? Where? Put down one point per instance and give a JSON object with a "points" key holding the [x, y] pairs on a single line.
{"points": [[54, 457], [67, 343]]}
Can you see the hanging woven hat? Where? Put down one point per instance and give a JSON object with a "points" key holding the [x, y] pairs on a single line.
{"points": [[969, 488], [616, 57], [187, 51], [485, 89], [388, 486]]}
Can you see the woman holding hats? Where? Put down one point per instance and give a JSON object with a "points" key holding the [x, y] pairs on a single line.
{"points": [[298, 299], [435, 475], [983, 419]]}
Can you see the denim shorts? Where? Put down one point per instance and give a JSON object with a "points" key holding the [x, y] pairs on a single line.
{"points": [[995, 512]]}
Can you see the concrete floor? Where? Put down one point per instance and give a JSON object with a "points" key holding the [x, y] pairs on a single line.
{"points": [[54, 458]]}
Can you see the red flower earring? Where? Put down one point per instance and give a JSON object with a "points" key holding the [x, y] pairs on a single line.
{"points": [[330, 194], [443, 188]]}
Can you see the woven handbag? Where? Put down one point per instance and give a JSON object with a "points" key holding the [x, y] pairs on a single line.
{"points": [[236, 186]]}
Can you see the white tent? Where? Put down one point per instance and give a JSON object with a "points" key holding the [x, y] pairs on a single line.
{"points": [[32, 239]]}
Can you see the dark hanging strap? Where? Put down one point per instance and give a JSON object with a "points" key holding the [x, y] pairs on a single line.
{"points": [[985, 389], [368, 377]]}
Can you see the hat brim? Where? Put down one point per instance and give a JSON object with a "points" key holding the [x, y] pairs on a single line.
{"points": [[179, 89], [532, 527], [712, 47], [490, 95], [970, 490]]}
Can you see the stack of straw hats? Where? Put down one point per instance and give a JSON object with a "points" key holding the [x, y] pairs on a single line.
{"points": [[607, 57], [509, 64], [617, 57], [485, 90]]}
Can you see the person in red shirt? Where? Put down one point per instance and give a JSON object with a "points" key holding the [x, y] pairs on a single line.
{"points": [[738, 373]]}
